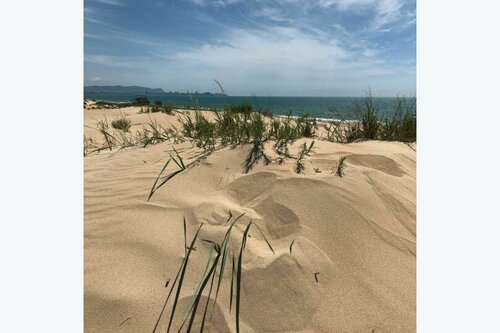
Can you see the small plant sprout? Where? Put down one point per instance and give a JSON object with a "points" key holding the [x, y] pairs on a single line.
{"points": [[339, 170], [304, 151]]}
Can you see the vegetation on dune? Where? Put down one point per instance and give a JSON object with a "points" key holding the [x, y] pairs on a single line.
{"points": [[157, 107], [401, 126], [242, 124], [339, 169], [304, 151], [218, 256], [123, 123]]}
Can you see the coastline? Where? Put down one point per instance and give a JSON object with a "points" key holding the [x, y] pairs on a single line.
{"points": [[318, 107]]}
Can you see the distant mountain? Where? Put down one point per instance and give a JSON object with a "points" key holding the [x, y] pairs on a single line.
{"points": [[117, 90], [136, 90]]}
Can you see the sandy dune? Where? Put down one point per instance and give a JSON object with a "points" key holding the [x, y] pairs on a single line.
{"points": [[356, 232]]}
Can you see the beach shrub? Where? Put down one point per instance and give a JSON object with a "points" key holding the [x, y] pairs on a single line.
{"points": [[303, 152], [167, 109], [246, 108], [103, 128], [402, 126], [367, 112], [306, 126], [200, 129], [123, 123]]}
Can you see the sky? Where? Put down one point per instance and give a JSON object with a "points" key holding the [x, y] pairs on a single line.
{"points": [[253, 47]]}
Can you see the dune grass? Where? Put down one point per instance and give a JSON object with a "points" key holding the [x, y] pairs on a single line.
{"points": [[160, 181], [217, 257], [339, 169], [242, 124], [400, 126], [303, 152], [122, 123]]}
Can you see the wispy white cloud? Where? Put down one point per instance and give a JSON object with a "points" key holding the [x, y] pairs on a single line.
{"points": [[385, 11], [94, 36], [110, 61], [289, 47], [119, 3], [273, 14], [218, 3], [281, 59]]}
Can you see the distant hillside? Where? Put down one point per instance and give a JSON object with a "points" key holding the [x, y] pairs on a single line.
{"points": [[123, 90]]}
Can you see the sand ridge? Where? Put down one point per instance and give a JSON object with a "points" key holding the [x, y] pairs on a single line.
{"points": [[355, 234]]}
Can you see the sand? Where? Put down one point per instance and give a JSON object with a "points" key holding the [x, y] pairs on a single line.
{"points": [[358, 233]]}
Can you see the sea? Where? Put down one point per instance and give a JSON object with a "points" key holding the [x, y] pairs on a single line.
{"points": [[317, 107]]}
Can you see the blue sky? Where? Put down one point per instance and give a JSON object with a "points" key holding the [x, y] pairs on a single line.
{"points": [[261, 47]]}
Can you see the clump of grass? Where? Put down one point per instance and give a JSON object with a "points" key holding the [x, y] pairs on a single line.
{"points": [[304, 151], [367, 110], [168, 109], [155, 133], [123, 123], [199, 129], [245, 107], [254, 156], [402, 126], [159, 107], [343, 131], [109, 105], [339, 169], [305, 126], [152, 133], [103, 128], [155, 108], [218, 255]]}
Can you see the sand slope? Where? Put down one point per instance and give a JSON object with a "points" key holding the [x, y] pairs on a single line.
{"points": [[357, 232]]}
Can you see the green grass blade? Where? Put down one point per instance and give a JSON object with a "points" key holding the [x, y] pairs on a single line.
{"points": [[180, 158], [238, 276], [208, 301], [168, 296], [198, 297], [179, 287], [154, 188], [176, 277], [232, 284], [222, 268], [268, 244], [185, 238], [209, 259]]}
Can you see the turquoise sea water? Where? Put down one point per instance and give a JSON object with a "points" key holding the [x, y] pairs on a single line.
{"points": [[318, 107]]}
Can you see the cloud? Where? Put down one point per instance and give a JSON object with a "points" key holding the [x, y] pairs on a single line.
{"points": [[273, 14], [94, 36], [283, 60], [217, 3], [289, 47], [119, 3], [385, 11], [111, 61]]}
